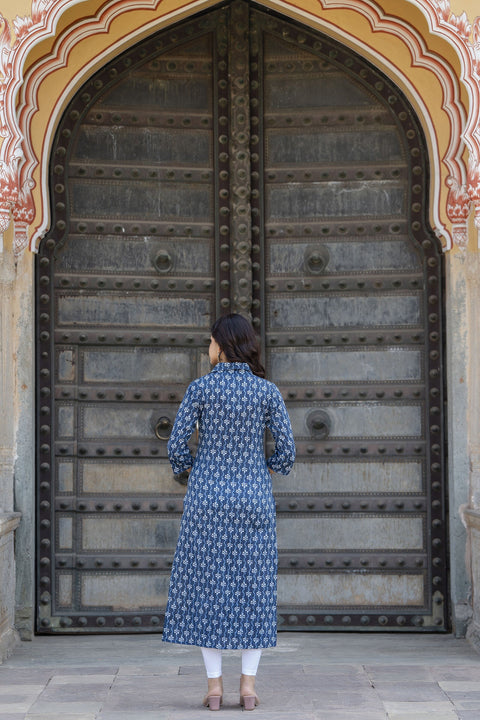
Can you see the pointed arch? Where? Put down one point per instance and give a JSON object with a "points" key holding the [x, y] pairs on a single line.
{"points": [[425, 48]]}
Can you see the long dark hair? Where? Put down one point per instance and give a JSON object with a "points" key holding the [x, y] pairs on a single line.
{"points": [[236, 338]]}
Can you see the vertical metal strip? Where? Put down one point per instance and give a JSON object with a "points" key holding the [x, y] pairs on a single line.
{"points": [[240, 224], [222, 166], [257, 195]]}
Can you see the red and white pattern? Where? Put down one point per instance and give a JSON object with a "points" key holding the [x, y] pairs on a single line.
{"points": [[19, 159]]}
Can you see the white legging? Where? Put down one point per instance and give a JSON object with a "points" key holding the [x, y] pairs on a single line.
{"points": [[213, 661]]}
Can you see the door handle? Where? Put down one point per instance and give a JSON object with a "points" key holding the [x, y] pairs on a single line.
{"points": [[163, 261], [316, 259], [163, 428], [319, 424]]}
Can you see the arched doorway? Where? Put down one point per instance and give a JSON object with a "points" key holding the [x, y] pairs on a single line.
{"points": [[240, 161]]}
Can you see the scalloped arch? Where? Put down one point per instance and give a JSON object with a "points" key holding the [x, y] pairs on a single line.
{"points": [[437, 66]]}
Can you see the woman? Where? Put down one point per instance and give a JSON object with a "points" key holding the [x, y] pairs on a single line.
{"points": [[224, 577]]}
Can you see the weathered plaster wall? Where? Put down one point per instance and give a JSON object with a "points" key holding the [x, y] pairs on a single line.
{"points": [[472, 514], [8, 422], [24, 470], [457, 415]]}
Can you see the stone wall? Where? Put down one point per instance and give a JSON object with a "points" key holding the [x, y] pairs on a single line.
{"points": [[472, 513], [9, 520], [8, 633]]}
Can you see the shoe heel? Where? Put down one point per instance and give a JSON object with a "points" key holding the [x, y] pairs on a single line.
{"points": [[248, 702], [214, 702]]}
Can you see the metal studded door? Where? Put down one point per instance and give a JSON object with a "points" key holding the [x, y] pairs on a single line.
{"points": [[351, 313], [241, 162], [128, 289]]}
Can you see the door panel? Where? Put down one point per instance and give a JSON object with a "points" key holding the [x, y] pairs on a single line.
{"points": [[241, 162], [349, 307], [129, 284]]}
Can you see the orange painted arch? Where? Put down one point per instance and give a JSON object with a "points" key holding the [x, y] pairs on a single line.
{"points": [[410, 42]]}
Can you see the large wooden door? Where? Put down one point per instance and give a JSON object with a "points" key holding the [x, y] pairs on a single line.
{"points": [[241, 162]]}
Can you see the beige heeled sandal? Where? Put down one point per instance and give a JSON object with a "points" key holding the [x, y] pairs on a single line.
{"points": [[248, 702], [213, 702]]}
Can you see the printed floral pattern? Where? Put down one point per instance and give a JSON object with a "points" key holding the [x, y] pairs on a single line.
{"points": [[223, 585]]}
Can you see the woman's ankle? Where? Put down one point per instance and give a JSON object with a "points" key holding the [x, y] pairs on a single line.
{"points": [[215, 686], [247, 684]]}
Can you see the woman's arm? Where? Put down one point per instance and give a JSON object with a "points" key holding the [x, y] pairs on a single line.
{"points": [[187, 416], [279, 425]]}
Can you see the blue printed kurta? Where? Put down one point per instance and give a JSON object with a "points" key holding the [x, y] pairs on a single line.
{"points": [[223, 586]]}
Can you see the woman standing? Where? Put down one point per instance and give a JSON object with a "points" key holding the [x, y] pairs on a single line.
{"points": [[224, 577]]}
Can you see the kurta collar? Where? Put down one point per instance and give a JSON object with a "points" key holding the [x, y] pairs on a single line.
{"points": [[231, 367]]}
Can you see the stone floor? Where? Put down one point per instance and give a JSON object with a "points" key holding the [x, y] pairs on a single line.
{"points": [[307, 677]]}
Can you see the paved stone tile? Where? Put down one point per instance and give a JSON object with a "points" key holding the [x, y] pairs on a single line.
{"points": [[412, 691], [466, 701], [86, 680], [462, 673], [45, 707], [146, 694], [369, 714], [309, 677], [347, 700], [60, 716], [19, 691], [142, 669], [420, 710], [71, 692], [47, 671], [19, 676], [323, 668], [466, 706], [14, 707], [399, 673], [139, 715], [460, 686], [333, 683], [450, 715]]}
